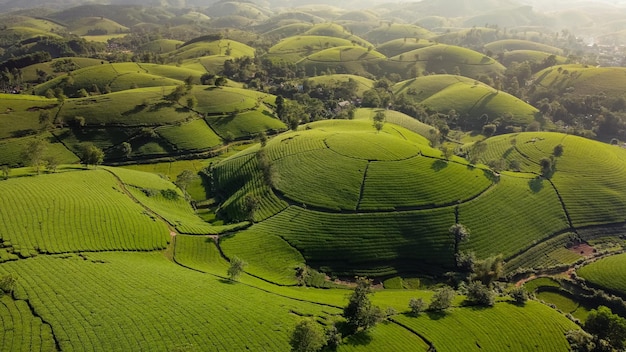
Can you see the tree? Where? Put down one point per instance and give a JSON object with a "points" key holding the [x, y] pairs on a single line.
{"points": [[280, 106], [34, 153], [7, 284], [308, 336], [417, 306], [45, 119], [51, 163], [6, 171], [520, 295], [176, 94], [192, 102], [184, 179], [547, 167], [606, 325], [558, 150], [360, 313], [489, 269], [251, 204], [477, 150], [79, 121], [127, 149], [379, 120], [220, 81], [460, 233], [262, 138], [479, 294], [236, 267], [92, 155], [442, 299]]}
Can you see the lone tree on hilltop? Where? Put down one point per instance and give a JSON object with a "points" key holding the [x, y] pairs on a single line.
{"points": [[360, 313], [236, 268], [460, 234], [308, 336], [92, 155], [379, 121]]}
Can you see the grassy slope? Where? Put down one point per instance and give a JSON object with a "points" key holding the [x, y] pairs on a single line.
{"points": [[294, 48], [393, 31], [584, 80], [363, 83], [516, 44], [608, 272]]}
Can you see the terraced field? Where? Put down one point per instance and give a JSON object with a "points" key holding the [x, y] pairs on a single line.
{"points": [[178, 307], [19, 114], [609, 273], [21, 331], [343, 59], [501, 46], [532, 327], [85, 217], [294, 48], [585, 80]]}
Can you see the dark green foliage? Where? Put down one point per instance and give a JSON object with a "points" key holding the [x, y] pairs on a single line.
{"points": [[417, 306], [489, 270], [580, 341], [176, 94], [520, 295], [7, 284], [360, 314], [442, 299], [379, 120], [251, 204], [169, 194], [91, 155], [308, 336], [460, 233], [606, 325], [34, 153], [480, 295], [6, 170], [237, 265], [558, 150]]}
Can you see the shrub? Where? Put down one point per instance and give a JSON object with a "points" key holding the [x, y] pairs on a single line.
{"points": [[479, 294], [417, 306], [442, 299]]}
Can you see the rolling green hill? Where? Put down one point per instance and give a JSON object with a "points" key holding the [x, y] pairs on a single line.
{"points": [[398, 46], [476, 103], [581, 80], [363, 83], [532, 56], [294, 48], [96, 26], [335, 30], [354, 60], [223, 47], [501, 46], [441, 58], [393, 31], [161, 46]]}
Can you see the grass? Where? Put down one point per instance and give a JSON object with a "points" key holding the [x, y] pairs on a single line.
{"points": [[373, 245], [335, 30], [609, 273], [583, 80], [294, 48], [442, 58], [363, 83], [178, 307], [22, 331], [89, 209], [517, 44], [504, 327], [161, 46], [83, 25], [396, 118], [536, 213], [19, 114], [533, 285], [246, 124], [193, 136], [277, 262], [213, 48], [534, 56], [355, 60], [12, 149], [551, 252], [393, 31], [396, 47]]}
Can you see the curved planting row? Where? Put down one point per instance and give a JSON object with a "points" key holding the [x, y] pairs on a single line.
{"points": [[420, 181], [155, 305], [88, 215], [379, 242], [505, 327], [608, 273], [551, 252], [513, 215], [21, 331]]}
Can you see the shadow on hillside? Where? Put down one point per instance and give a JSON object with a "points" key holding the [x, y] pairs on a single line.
{"points": [[439, 165], [227, 281], [362, 338], [137, 109], [536, 184], [268, 114], [160, 105], [508, 152], [436, 315]]}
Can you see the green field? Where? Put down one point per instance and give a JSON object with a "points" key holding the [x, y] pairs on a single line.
{"points": [[505, 327], [295, 48], [386, 33], [583, 79], [607, 273], [516, 44]]}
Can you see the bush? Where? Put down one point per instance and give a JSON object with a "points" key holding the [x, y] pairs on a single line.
{"points": [[520, 295], [442, 299], [479, 294], [417, 306], [169, 194]]}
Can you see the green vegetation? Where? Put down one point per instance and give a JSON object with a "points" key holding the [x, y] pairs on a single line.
{"points": [[501, 46], [609, 273]]}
